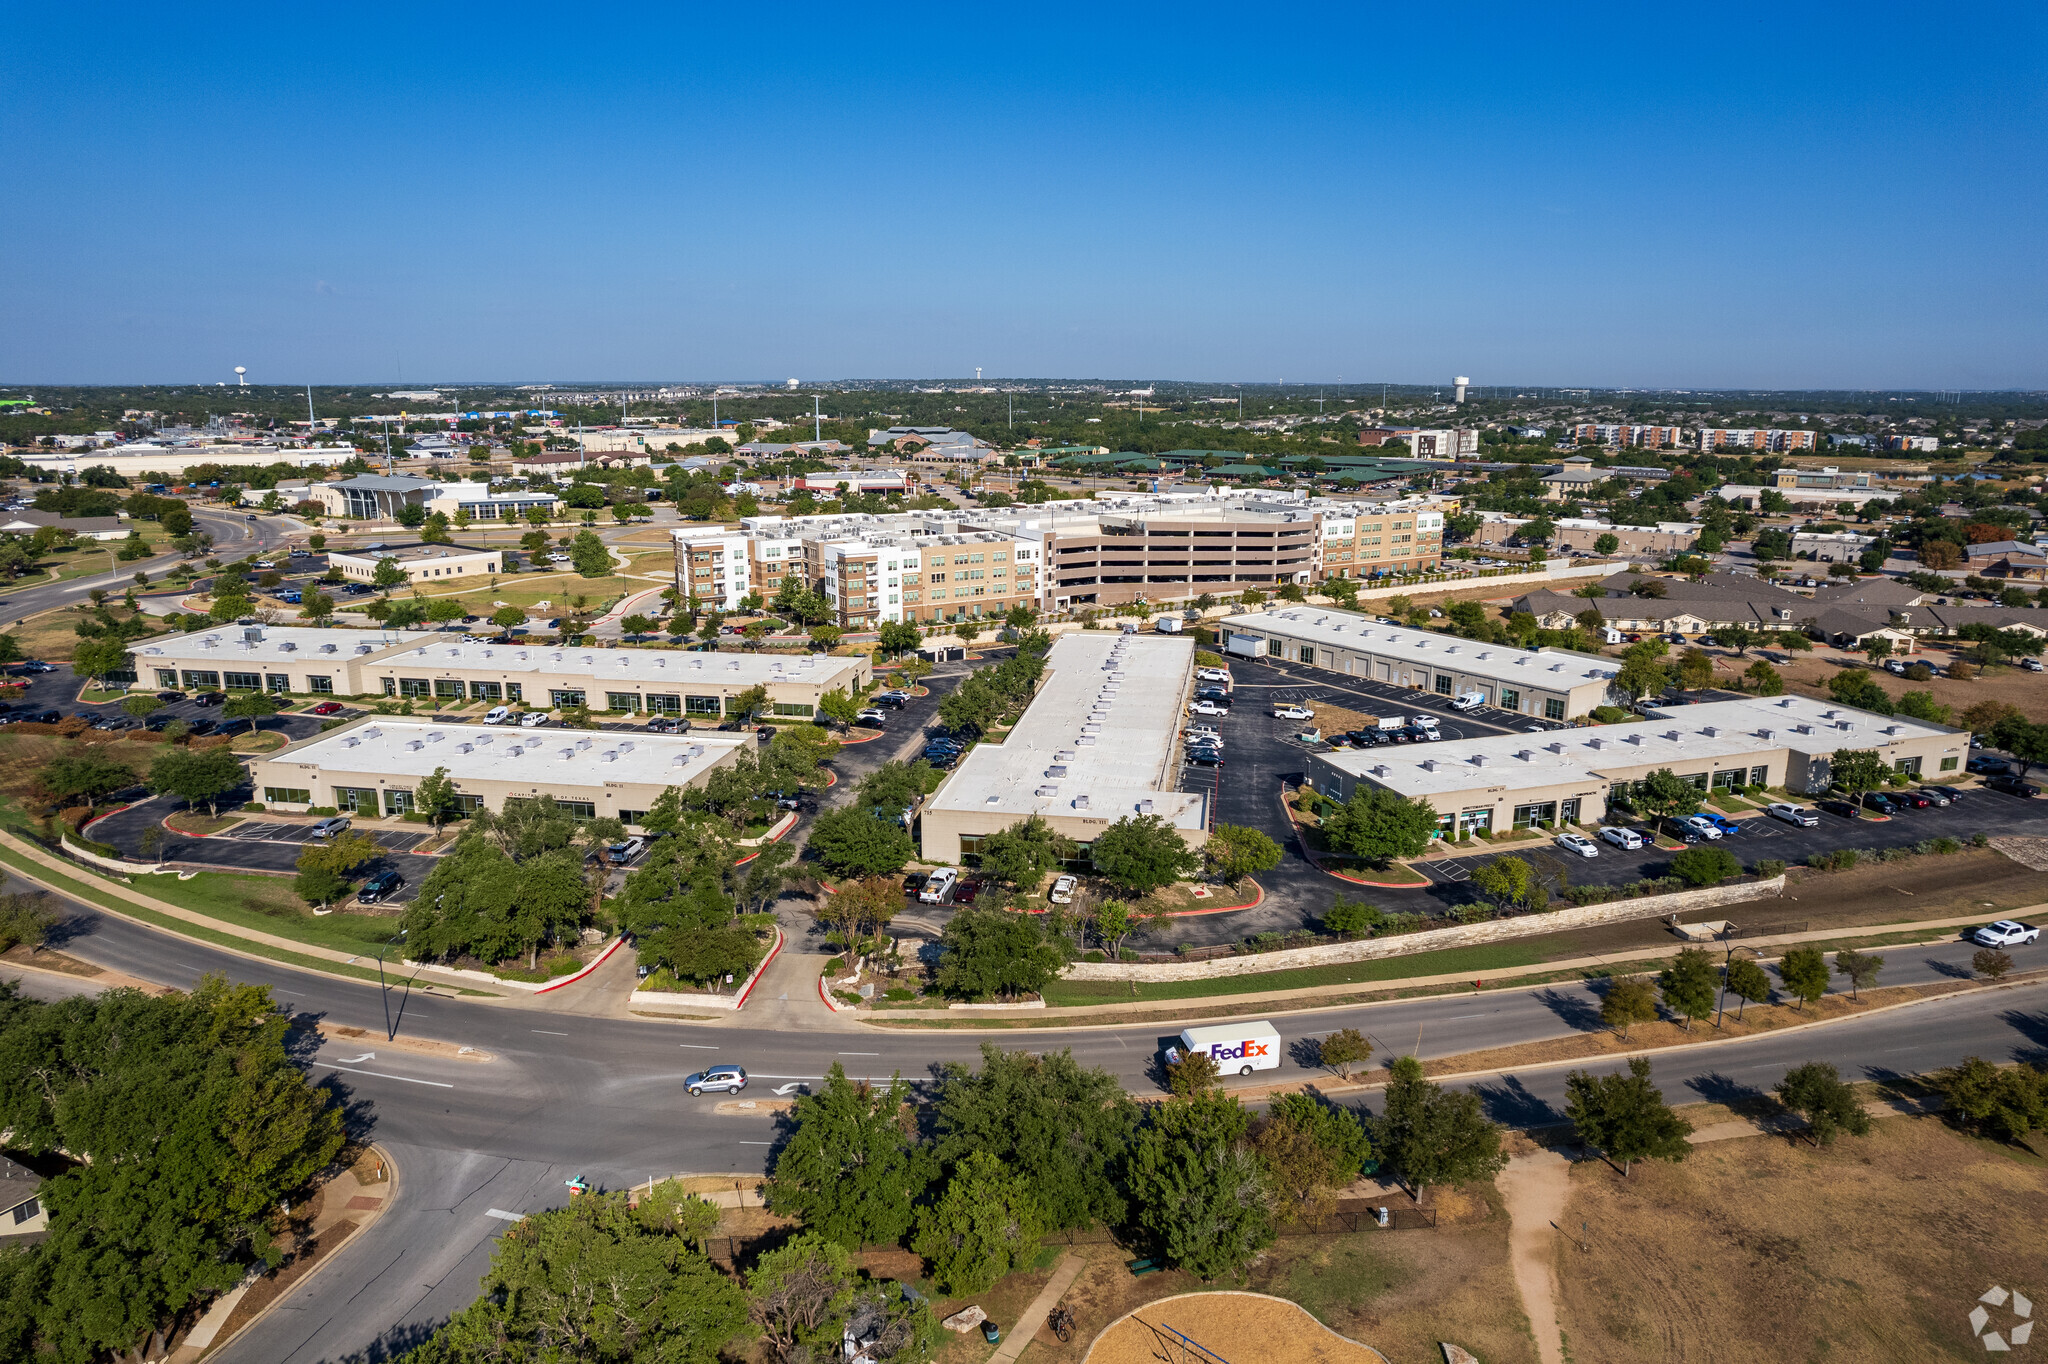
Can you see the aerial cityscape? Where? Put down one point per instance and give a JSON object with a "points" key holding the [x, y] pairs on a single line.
{"points": [[1126, 689]]}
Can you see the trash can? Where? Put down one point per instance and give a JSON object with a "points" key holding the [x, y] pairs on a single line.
{"points": [[1382, 1216], [991, 1332]]}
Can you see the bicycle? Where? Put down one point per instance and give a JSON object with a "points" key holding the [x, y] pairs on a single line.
{"points": [[1062, 1323]]}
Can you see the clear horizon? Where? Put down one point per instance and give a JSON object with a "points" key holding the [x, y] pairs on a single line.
{"points": [[1778, 200]]}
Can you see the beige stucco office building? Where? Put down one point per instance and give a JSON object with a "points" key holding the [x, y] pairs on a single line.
{"points": [[372, 767], [451, 565], [1568, 776], [1100, 741], [1550, 683]]}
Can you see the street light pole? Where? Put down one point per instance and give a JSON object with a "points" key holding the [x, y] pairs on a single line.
{"points": [[1721, 1003]]}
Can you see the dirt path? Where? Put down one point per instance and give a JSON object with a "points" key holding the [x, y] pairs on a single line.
{"points": [[1534, 1189]]}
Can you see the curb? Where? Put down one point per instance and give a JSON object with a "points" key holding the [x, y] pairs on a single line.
{"points": [[747, 991], [600, 960]]}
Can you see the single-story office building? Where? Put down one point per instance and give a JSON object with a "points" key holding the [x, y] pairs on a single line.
{"points": [[420, 563], [1100, 741], [1551, 683], [1570, 776], [372, 767]]}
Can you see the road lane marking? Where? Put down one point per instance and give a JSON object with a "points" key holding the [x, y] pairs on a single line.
{"points": [[507, 1216], [691, 1045], [860, 1053], [545, 1033], [757, 1143], [382, 1076]]}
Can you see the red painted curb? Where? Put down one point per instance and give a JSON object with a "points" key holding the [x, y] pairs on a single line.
{"points": [[602, 958], [748, 989]]}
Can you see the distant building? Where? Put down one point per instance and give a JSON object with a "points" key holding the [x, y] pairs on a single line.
{"points": [[82, 527], [1923, 443], [1839, 548], [1427, 443], [1648, 437], [1744, 438], [421, 563]]}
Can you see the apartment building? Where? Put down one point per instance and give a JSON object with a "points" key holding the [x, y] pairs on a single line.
{"points": [[1927, 444], [1744, 438], [714, 565], [1647, 437]]}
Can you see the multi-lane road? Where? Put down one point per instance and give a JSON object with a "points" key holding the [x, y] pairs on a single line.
{"points": [[566, 1094]]}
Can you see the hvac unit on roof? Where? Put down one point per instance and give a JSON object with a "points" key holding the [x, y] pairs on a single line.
{"points": [[1479, 760], [1429, 764], [434, 736], [565, 753], [288, 647], [350, 742]]}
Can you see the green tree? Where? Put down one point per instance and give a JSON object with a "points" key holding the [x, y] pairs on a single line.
{"points": [[1606, 544], [1199, 1194], [1062, 1127], [849, 1170], [1747, 982], [1705, 866], [1858, 968], [800, 1295], [901, 637], [388, 575], [748, 705], [1689, 983], [435, 796], [1344, 1050], [1625, 1116], [1022, 854], [989, 952], [1990, 963], [600, 1281], [195, 775], [589, 555], [1377, 825], [316, 606], [95, 658], [1805, 974], [1816, 1092], [1628, 1002], [2004, 1103], [1665, 795], [505, 617], [1433, 1135], [839, 707], [1142, 853], [1236, 851], [1509, 883], [89, 775], [851, 841], [1192, 1073], [325, 868], [986, 1223], [1857, 770], [1764, 680], [1308, 1149], [1921, 705], [251, 705], [2024, 739]]}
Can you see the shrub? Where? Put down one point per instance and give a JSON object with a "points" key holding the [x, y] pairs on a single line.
{"points": [[897, 994], [1609, 715], [322, 810], [1978, 840], [1839, 859], [1478, 912], [254, 807], [1591, 895], [1947, 846], [1769, 868], [1705, 866], [1097, 956]]}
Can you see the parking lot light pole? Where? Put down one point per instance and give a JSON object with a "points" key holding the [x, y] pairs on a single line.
{"points": [[382, 990], [1721, 1001]]}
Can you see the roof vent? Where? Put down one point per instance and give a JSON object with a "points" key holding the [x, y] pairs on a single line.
{"points": [[362, 648], [1763, 734], [414, 745], [696, 750], [1634, 739], [1429, 764], [373, 733], [1144, 807], [1596, 743], [1380, 770], [327, 648], [288, 647], [1056, 770], [1710, 731], [350, 742], [1479, 760], [1046, 791], [610, 755], [1080, 802], [1085, 741], [435, 736]]}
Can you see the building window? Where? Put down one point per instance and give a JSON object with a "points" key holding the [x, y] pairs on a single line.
{"points": [[412, 686], [355, 800], [27, 1212], [485, 691], [1528, 815], [1728, 781], [447, 689], [390, 686], [1949, 764], [1306, 653], [515, 691], [664, 705], [1568, 810], [1275, 649], [323, 685], [1759, 776], [1698, 780], [562, 696], [1553, 709], [167, 677], [287, 795], [277, 683], [1474, 821], [1909, 766], [631, 816], [398, 802], [799, 708], [622, 700], [1444, 683], [199, 677], [1510, 699], [703, 705], [469, 805]]}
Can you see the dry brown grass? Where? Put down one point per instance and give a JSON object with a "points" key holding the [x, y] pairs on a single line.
{"points": [[1874, 1249], [1276, 1328]]}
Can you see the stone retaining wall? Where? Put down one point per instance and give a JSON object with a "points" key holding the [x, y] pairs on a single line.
{"points": [[1434, 939]]}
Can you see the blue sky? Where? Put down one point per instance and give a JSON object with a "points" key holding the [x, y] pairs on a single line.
{"points": [[1773, 195]]}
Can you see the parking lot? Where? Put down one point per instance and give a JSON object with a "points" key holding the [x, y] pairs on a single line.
{"points": [[277, 831]]}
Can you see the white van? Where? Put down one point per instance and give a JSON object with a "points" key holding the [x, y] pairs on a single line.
{"points": [[1242, 1047], [939, 887], [1471, 700], [498, 715]]}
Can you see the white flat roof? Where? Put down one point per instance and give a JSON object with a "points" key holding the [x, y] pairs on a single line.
{"points": [[652, 666], [227, 645], [1716, 730], [1553, 669], [551, 758], [1095, 743]]}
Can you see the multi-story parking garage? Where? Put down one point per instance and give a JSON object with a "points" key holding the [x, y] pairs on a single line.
{"points": [[1553, 684], [1569, 776]]}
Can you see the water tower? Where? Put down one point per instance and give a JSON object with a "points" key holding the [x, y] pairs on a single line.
{"points": [[1458, 388], [241, 376]]}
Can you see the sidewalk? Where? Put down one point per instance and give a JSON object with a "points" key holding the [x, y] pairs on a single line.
{"points": [[1256, 1002]]}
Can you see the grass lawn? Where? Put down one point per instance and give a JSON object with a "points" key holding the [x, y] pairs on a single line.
{"points": [[1454, 960]]}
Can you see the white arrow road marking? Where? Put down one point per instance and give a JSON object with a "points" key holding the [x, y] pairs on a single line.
{"points": [[784, 1091], [357, 1060]]}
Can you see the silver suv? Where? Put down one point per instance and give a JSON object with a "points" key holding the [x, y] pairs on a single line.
{"points": [[717, 1079], [330, 827]]}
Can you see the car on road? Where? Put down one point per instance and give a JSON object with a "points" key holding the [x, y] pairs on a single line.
{"points": [[533, 719], [1879, 802], [2032, 665], [382, 886], [1703, 826], [939, 887], [1578, 843], [1628, 840], [1837, 807], [619, 854], [2005, 933], [330, 827], [1207, 708], [1063, 889], [1792, 814], [1291, 712], [2014, 786], [717, 1080]]}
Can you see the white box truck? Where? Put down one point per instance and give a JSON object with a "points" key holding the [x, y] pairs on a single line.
{"points": [[1239, 1047], [1167, 625]]}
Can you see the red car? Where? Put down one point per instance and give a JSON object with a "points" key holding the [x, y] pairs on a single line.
{"points": [[964, 893], [327, 708]]}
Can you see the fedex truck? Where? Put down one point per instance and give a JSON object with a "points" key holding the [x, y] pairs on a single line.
{"points": [[1240, 1047]]}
